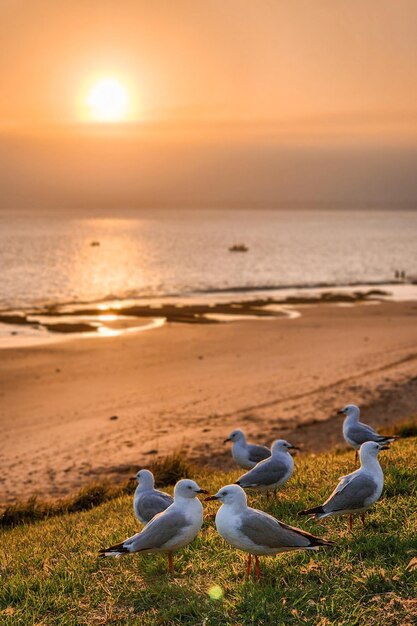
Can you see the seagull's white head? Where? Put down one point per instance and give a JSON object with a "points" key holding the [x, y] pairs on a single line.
{"points": [[187, 488], [145, 478], [371, 449], [350, 410], [235, 436], [231, 495], [280, 445]]}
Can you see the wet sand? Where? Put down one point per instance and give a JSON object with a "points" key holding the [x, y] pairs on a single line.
{"points": [[188, 385]]}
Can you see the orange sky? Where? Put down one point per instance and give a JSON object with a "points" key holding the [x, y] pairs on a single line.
{"points": [[336, 73]]}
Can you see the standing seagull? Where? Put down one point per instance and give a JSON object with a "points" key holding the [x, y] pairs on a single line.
{"points": [[170, 530], [148, 501], [273, 472], [356, 433], [257, 532], [246, 455], [355, 492]]}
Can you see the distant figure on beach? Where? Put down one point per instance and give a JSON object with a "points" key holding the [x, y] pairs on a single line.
{"points": [[148, 501], [355, 492], [246, 455], [356, 433]]}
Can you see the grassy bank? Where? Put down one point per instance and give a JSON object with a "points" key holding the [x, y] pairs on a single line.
{"points": [[50, 573]]}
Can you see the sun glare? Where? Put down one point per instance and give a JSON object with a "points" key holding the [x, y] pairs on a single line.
{"points": [[108, 101]]}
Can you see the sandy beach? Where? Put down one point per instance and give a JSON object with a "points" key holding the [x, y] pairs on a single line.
{"points": [[187, 385]]}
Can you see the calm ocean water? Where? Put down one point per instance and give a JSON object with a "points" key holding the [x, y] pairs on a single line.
{"points": [[48, 257]]}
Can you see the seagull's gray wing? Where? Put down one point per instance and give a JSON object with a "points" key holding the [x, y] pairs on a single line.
{"points": [[265, 530], [149, 504], [359, 433], [161, 529], [258, 453], [351, 494], [267, 472]]}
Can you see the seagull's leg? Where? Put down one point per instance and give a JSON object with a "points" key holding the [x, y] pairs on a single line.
{"points": [[351, 521], [356, 457], [363, 518], [257, 568], [170, 563], [267, 496], [249, 565]]}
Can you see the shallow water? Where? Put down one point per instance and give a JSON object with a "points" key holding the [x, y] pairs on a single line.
{"points": [[47, 258]]}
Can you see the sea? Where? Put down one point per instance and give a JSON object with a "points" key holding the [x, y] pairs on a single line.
{"points": [[63, 256]]}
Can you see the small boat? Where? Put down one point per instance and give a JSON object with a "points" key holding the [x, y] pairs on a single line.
{"points": [[94, 243], [238, 247]]}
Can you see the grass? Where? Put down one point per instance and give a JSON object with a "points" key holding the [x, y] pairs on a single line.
{"points": [[50, 573], [408, 428]]}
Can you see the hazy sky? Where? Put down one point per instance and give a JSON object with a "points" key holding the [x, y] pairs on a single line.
{"points": [[231, 102]]}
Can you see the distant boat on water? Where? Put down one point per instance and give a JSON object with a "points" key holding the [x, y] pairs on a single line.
{"points": [[238, 247]]}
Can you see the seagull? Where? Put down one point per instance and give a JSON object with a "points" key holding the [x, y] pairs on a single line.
{"points": [[356, 433], [246, 455], [272, 472], [170, 530], [148, 501], [257, 532], [355, 492]]}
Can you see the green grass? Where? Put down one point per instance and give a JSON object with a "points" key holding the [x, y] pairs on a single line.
{"points": [[50, 573]]}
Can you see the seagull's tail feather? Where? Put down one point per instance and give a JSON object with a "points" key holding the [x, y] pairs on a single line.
{"points": [[388, 438], [316, 543], [317, 510], [243, 485], [116, 550]]}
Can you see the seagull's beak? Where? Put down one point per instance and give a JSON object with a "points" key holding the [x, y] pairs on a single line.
{"points": [[385, 447], [341, 412], [226, 440], [294, 448], [202, 491], [210, 498]]}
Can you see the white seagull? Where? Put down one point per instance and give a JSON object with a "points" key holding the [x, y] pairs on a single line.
{"points": [[148, 501], [355, 492], [246, 455], [272, 472], [356, 433], [170, 530], [257, 532]]}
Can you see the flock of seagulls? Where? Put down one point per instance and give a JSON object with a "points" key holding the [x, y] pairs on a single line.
{"points": [[172, 523]]}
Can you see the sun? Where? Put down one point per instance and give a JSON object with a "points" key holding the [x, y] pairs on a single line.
{"points": [[108, 101]]}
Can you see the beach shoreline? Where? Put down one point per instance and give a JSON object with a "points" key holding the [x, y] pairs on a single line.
{"points": [[51, 323], [77, 411]]}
